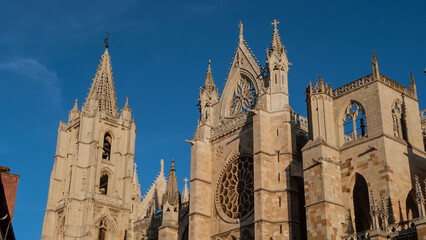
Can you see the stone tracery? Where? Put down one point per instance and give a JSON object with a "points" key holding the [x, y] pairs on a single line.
{"points": [[234, 200], [244, 97]]}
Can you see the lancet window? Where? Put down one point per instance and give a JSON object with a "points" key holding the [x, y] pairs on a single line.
{"points": [[355, 122], [244, 97], [399, 129], [102, 230], [106, 149], [103, 183], [361, 204]]}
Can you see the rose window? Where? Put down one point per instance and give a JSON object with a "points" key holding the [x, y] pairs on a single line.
{"points": [[234, 200], [244, 97]]}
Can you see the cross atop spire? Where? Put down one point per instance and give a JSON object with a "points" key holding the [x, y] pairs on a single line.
{"points": [[275, 23], [276, 44], [241, 27], [106, 39]]}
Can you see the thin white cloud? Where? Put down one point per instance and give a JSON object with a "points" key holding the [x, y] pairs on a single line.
{"points": [[33, 70]]}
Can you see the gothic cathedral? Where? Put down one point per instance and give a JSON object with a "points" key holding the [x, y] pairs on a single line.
{"points": [[354, 168]]}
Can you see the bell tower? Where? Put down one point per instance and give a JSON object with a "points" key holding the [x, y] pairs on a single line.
{"points": [[91, 182]]}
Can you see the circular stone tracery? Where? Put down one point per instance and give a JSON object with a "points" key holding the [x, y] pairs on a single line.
{"points": [[234, 200]]}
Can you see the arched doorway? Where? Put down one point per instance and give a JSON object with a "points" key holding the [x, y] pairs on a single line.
{"points": [[361, 204], [411, 205]]}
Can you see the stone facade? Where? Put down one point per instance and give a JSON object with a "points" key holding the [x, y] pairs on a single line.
{"points": [[355, 168], [94, 190], [245, 158]]}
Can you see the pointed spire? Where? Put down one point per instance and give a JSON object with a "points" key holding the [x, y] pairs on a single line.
{"points": [[75, 108], [172, 192], [276, 44], [375, 64], [126, 105], [413, 84], [102, 88], [241, 27], [185, 192], [209, 85], [74, 113]]}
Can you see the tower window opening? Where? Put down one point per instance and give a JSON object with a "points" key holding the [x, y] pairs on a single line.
{"points": [[361, 204], [279, 201], [276, 77], [103, 183], [354, 125], [106, 149], [399, 127], [102, 230], [279, 177]]}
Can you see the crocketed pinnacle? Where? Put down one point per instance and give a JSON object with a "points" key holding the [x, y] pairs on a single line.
{"points": [[172, 192], [209, 85], [276, 44], [375, 66], [102, 87], [126, 105], [75, 108], [185, 192]]}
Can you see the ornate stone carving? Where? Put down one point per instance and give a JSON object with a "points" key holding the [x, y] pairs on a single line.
{"points": [[244, 97], [234, 196], [231, 126]]}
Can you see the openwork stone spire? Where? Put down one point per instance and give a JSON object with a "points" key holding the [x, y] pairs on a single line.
{"points": [[172, 192], [102, 88], [209, 85], [276, 44]]}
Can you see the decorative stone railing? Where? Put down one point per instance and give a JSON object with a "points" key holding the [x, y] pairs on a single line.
{"points": [[353, 85], [300, 122], [406, 228], [322, 87], [357, 236]]}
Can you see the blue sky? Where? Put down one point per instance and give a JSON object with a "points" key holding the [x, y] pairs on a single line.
{"points": [[49, 52]]}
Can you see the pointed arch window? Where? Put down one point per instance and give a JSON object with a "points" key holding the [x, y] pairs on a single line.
{"points": [[106, 148], [102, 230], [355, 124], [398, 121], [361, 203], [103, 183]]}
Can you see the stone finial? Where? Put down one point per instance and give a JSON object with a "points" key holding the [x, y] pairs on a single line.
{"points": [[126, 105], [74, 113], [413, 84], [162, 167], [375, 65], [209, 85], [240, 26], [185, 192]]}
